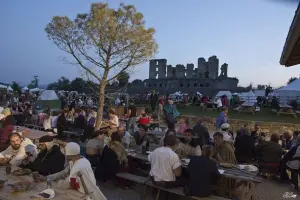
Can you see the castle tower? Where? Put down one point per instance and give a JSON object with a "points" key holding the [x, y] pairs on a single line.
{"points": [[201, 68], [213, 67], [189, 70], [157, 67]]}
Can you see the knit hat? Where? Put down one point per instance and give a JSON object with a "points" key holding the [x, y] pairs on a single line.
{"points": [[72, 149], [224, 126], [46, 138]]}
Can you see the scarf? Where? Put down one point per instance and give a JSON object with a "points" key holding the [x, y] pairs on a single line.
{"points": [[118, 148]]}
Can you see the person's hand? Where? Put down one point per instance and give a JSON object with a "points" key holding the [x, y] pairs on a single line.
{"points": [[39, 178], [4, 161]]}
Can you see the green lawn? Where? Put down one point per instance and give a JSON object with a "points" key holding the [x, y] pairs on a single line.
{"points": [[265, 114]]}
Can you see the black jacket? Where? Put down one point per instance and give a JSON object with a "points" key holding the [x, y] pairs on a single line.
{"points": [[50, 163], [244, 148]]}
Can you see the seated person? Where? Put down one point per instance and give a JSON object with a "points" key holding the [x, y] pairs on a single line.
{"points": [[165, 164], [113, 121], [70, 176], [141, 137], [31, 155], [184, 125], [202, 174], [225, 131], [94, 147], [169, 132], [7, 128], [223, 151], [113, 158], [15, 153], [50, 160], [269, 153], [124, 135], [185, 148], [290, 160], [256, 133], [144, 119], [244, 146]]}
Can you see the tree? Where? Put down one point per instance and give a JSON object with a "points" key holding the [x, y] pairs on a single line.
{"points": [[34, 83], [268, 90], [291, 80], [261, 87], [61, 84], [104, 42], [123, 78], [15, 86]]}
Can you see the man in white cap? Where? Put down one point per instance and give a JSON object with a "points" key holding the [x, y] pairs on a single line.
{"points": [[70, 178], [225, 131]]}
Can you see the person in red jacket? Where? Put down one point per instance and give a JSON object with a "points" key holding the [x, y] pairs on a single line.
{"points": [[7, 128], [144, 119]]}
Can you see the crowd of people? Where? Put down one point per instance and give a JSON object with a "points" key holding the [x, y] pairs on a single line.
{"points": [[101, 154]]}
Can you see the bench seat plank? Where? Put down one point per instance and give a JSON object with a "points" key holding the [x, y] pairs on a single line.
{"points": [[132, 177]]}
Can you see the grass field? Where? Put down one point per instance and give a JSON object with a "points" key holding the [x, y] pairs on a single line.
{"points": [[265, 114]]}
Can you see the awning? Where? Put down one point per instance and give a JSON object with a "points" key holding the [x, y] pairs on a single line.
{"points": [[291, 50]]}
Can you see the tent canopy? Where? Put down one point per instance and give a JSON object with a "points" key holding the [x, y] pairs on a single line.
{"points": [[35, 90], [289, 92], [248, 97], [227, 93], [48, 95], [9, 88], [259, 93], [2, 86]]}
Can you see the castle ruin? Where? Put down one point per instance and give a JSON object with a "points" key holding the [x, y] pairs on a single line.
{"points": [[205, 78]]}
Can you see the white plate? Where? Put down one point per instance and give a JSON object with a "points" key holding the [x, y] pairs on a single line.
{"points": [[48, 191]]}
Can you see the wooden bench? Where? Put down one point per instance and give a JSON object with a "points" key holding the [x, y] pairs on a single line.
{"points": [[148, 183]]}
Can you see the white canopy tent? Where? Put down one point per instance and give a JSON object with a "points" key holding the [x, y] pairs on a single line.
{"points": [[259, 93], [48, 95], [9, 88], [289, 92], [25, 88], [2, 86], [248, 97], [222, 93], [35, 90]]}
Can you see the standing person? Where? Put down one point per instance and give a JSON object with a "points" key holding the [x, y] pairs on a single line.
{"points": [[222, 118], [131, 115], [171, 113], [201, 131], [153, 100]]}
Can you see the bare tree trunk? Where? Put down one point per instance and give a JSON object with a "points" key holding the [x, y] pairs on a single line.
{"points": [[102, 87]]}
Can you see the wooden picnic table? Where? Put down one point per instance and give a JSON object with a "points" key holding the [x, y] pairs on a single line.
{"points": [[234, 173], [286, 110], [245, 107], [32, 133], [160, 134], [6, 193]]}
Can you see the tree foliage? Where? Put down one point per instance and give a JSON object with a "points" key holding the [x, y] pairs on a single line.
{"points": [[15, 86], [34, 83], [261, 87], [104, 42], [291, 80], [268, 90], [123, 78]]}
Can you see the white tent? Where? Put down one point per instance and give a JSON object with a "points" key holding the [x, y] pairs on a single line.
{"points": [[48, 95], [9, 88], [35, 90], [25, 88], [289, 92], [227, 93], [2, 86], [259, 93], [248, 97]]}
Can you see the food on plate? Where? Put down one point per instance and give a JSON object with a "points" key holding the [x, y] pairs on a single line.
{"points": [[21, 172]]}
